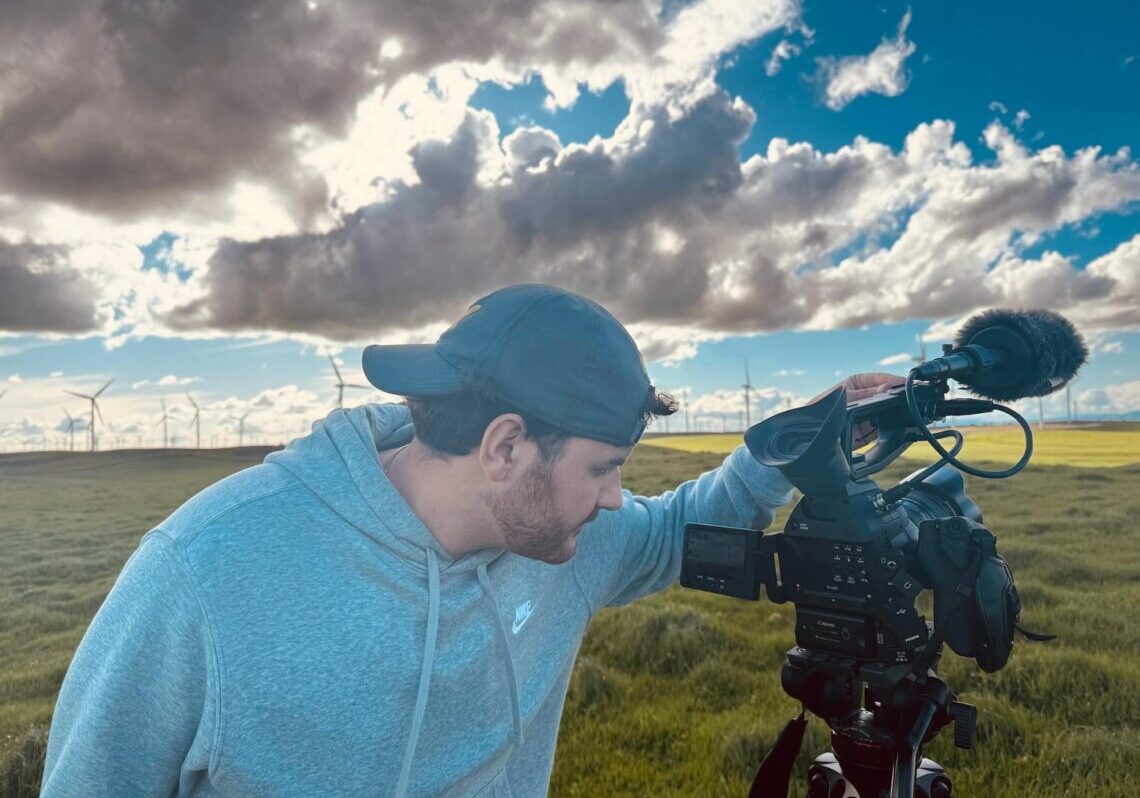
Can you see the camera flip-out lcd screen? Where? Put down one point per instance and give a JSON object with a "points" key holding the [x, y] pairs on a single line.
{"points": [[721, 559]]}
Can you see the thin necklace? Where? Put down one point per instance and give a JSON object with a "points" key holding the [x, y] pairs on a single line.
{"points": [[392, 459]]}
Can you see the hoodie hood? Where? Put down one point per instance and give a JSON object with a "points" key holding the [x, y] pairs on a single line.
{"points": [[339, 462]]}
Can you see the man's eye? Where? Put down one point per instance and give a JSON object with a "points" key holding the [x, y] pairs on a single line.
{"points": [[601, 472]]}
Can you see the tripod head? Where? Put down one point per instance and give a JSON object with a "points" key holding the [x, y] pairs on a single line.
{"points": [[877, 732]]}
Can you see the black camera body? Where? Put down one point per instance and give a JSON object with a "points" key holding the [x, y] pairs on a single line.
{"points": [[853, 558]]}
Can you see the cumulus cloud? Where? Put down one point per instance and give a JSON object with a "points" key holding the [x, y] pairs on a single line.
{"points": [[883, 71], [123, 108], [446, 237], [895, 360], [41, 291], [169, 380], [1121, 397], [727, 405], [663, 224], [784, 51]]}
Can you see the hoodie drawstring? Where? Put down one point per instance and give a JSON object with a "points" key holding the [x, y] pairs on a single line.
{"points": [[425, 672], [516, 712]]}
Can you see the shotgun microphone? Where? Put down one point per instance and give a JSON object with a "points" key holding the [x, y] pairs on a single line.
{"points": [[1003, 354]]}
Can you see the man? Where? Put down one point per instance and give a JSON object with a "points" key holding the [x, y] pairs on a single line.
{"points": [[392, 605]]}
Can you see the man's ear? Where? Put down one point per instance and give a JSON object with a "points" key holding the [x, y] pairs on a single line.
{"points": [[502, 451]]}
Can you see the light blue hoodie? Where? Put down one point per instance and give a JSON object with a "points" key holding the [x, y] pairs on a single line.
{"points": [[295, 630]]}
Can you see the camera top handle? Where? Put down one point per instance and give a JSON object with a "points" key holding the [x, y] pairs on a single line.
{"points": [[902, 416]]}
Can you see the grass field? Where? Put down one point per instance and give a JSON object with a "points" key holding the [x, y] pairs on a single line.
{"points": [[1083, 445], [679, 694]]}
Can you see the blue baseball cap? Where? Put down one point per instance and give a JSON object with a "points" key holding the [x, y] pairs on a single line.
{"points": [[544, 350]]}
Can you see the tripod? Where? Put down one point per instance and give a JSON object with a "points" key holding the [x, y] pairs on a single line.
{"points": [[877, 732]]}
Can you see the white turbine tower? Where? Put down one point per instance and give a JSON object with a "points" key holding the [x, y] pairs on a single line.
{"points": [[921, 350], [70, 428], [197, 424], [341, 384], [162, 421], [747, 386], [921, 358], [94, 408], [241, 427]]}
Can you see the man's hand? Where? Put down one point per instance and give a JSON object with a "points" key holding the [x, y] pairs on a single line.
{"points": [[862, 386]]}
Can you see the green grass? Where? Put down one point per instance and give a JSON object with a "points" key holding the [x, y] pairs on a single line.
{"points": [[677, 695], [1104, 445]]}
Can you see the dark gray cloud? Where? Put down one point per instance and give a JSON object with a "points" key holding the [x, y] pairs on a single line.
{"points": [[665, 226], [585, 222], [121, 106], [41, 292]]}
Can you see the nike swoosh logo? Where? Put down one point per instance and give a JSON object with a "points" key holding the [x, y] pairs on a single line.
{"points": [[522, 615]]}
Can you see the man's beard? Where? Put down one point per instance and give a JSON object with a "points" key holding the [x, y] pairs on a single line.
{"points": [[529, 518]]}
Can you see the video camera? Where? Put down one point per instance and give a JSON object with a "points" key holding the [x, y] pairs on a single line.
{"points": [[853, 558]]}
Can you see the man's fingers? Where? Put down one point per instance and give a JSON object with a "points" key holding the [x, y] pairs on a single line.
{"points": [[873, 380], [860, 386], [862, 393]]}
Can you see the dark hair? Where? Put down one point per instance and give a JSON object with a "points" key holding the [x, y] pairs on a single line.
{"points": [[454, 424]]}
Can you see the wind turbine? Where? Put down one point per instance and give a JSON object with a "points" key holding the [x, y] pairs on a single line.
{"points": [[747, 386], [163, 421], [341, 384], [70, 428], [921, 358], [241, 427], [921, 350], [94, 407], [197, 424], [687, 410]]}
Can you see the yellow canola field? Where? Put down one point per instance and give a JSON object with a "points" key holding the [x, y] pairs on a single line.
{"points": [[1091, 446]]}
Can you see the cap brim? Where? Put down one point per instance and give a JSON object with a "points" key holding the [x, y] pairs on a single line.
{"points": [[410, 370]]}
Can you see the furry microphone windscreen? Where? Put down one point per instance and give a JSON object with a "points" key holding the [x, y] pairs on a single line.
{"points": [[1055, 350]]}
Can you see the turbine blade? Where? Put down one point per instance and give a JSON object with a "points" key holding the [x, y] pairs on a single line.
{"points": [[105, 386], [80, 395], [191, 398], [365, 387], [338, 377], [97, 410]]}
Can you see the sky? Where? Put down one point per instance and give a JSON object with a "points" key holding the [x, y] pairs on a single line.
{"points": [[211, 202]]}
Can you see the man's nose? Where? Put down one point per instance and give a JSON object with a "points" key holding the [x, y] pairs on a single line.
{"points": [[610, 496]]}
